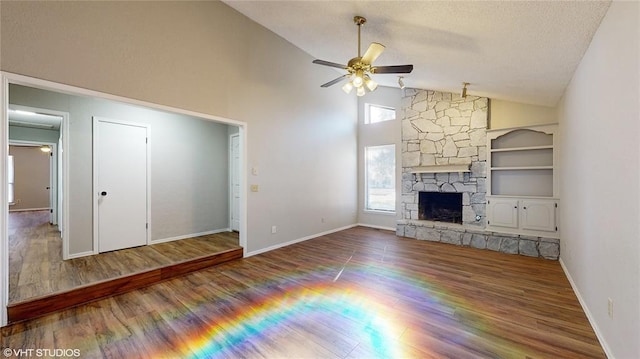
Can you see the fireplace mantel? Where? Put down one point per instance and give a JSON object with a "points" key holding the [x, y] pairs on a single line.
{"points": [[441, 169]]}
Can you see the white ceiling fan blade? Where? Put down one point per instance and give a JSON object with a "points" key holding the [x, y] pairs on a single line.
{"points": [[374, 50]]}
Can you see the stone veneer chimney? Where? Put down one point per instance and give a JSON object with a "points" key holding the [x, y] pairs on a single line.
{"points": [[441, 129]]}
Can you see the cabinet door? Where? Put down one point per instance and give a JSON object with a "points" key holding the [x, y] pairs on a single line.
{"points": [[503, 212], [538, 215]]}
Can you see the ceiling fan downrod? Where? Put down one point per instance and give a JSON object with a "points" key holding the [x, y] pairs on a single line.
{"points": [[359, 20]]}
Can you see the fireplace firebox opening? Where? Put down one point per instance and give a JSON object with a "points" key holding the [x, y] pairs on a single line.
{"points": [[440, 206]]}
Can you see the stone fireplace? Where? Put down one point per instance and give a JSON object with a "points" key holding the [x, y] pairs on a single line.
{"points": [[444, 151], [444, 154]]}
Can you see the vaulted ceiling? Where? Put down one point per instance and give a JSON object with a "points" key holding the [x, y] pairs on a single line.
{"points": [[522, 51]]}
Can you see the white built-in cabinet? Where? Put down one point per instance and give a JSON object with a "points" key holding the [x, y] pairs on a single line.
{"points": [[522, 183]]}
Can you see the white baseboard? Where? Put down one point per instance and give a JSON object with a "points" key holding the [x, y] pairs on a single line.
{"points": [[377, 227], [170, 239], [586, 310], [263, 250]]}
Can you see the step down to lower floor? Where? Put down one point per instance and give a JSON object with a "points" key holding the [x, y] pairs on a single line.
{"points": [[40, 306]]}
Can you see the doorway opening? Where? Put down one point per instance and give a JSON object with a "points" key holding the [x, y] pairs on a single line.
{"points": [[67, 199]]}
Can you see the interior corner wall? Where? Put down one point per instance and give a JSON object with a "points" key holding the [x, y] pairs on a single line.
{"points": [[507, 114], [208, 58], [377, 134], [600, 180]]}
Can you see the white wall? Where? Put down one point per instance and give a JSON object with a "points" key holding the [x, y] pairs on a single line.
{"points": [[208, 58], [189, 165], [507, 114], [382, 133], [600, 180]]}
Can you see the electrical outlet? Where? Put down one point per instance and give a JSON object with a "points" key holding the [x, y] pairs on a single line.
{"points": [[274, 229], [610, 307], [254, 188]]}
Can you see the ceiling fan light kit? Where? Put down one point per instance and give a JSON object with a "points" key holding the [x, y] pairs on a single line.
{"points": [[360, 67]]}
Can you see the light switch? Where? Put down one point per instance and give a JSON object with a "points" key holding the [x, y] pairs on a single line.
{"points": [[254, 171], [254, 188]]}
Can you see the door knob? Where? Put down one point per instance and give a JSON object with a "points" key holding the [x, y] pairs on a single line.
{"points": [[103, 193]]}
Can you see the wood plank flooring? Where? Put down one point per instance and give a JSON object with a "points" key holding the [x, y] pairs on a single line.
{"points": [[41, 282], [358, 293]]}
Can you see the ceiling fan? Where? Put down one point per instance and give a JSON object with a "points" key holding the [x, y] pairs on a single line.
{"points": [[361, 67]]}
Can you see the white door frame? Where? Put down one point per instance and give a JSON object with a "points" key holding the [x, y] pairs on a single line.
{"points": [[4, 233], [96, 195], [8, 77], [62, 187], [231, 184]]}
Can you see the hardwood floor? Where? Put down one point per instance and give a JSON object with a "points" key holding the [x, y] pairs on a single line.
{"points": [[358, 293], [41, 282]]}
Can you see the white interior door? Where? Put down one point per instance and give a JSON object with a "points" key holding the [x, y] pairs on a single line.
{"points": [[120, 178], [234, 145]]}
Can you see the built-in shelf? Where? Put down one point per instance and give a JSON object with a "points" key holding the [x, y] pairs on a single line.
{"points": [[441, 169], [523, 197], [528, 148], [522, 168], [522, 191]]}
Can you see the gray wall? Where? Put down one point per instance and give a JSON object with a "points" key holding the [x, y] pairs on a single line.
{"points": [[206, 57], [189, 161], [33, 134]]}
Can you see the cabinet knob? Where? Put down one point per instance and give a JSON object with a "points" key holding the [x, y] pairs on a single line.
{"points": [[516, 207], [524, 207]]}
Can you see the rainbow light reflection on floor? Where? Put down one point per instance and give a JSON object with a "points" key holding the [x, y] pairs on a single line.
{"points": [[364, 308]]}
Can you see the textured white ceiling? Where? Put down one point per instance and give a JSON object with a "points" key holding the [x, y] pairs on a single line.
{"points": [[522, 51]]}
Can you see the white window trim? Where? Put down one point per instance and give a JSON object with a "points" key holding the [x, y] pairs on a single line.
{"points": [[367, 107], [366, 208]]}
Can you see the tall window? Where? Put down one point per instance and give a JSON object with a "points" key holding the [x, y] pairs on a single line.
{"points": [[380, 178], [377, 113], [11, 177]]}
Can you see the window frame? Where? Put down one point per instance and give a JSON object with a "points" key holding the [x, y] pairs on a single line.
{"points": [[367, 113], [367, 207]]}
